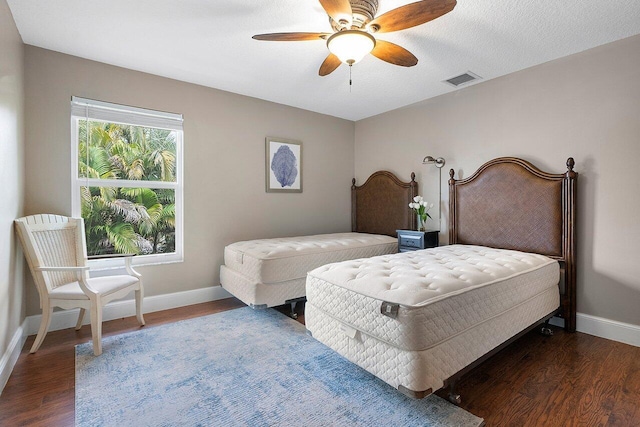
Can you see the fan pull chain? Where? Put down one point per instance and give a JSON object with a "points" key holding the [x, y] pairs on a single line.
{"points": [[350, 81]]}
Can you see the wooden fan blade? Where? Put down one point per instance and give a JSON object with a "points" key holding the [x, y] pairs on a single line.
{"points": [[394, 54], [411, 15], [329, 65], [337, 9], [291, 37]]}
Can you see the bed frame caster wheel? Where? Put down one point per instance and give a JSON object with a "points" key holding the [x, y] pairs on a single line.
{"points": [[545, 330], [293, 304], [455, 398]]}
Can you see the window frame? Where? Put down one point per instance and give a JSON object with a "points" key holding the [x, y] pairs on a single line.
{"points": [[115, 113]]}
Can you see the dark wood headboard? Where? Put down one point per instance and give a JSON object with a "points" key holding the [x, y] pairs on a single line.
{"points": [[509, 203], [381, 204]]}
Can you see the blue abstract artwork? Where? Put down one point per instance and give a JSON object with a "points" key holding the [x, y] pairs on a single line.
{"points": [[284, 167]]}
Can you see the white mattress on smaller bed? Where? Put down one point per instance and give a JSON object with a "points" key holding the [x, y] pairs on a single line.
{"points": [[270, 272], [280, 259]]}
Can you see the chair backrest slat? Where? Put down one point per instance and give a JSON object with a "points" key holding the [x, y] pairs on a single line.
{"points": [[57, 248]]}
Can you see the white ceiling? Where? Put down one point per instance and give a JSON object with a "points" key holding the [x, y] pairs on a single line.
{"points": [[208, 42]]}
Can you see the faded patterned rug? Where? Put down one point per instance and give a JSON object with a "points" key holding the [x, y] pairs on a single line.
{"points": [[239, 368]]}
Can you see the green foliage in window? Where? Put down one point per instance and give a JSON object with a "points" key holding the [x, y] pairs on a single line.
{"points": [[125, 219]]}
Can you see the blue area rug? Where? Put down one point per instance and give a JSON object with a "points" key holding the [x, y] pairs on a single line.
{"points": [[240, 367]]}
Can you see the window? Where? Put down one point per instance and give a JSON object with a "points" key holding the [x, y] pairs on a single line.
{"points": [[127, 180]]}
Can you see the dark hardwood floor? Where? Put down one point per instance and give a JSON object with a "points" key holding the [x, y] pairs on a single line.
{"points": [[568, 379]]}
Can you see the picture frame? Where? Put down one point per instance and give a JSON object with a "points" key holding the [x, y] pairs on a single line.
{"points": [[283, 165]]}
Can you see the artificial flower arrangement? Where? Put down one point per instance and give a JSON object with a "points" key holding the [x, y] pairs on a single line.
{"points": [[421, 207]]}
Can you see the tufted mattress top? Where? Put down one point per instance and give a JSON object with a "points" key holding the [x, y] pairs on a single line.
{"points": [[281, 259], [440, 292]]}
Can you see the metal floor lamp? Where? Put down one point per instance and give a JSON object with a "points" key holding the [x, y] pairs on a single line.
{"points": [[439, 163]]}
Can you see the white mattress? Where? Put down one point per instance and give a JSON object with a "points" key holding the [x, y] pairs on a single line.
{"points": [[287, 258], [441, 291], [272, 271], [455, 303]]}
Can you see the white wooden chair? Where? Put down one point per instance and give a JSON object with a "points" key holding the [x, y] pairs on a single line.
{"points": [[56, 251]]}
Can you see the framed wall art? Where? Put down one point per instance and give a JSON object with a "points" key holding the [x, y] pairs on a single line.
{"points": [[283, 165]]}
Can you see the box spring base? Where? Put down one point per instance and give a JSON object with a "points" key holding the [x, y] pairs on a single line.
{"points": [[418, 373], [260, 295]]}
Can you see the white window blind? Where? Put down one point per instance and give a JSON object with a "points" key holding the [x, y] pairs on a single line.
{"points": [[104, 111]]}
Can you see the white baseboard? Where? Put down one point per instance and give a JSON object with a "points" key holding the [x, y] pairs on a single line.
{"points": [[609, 329], [604, 328], [10, 356], [126, 308]]}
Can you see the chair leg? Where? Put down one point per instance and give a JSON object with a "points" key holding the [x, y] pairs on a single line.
{"points": [[96, 326], [44, 326], [139, 296], [80, 319]]}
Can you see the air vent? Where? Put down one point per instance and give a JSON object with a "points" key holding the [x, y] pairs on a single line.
{"points": [[463, 79]]}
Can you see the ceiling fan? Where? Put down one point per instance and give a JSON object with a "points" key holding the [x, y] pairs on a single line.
{"points": [[354, 25]]}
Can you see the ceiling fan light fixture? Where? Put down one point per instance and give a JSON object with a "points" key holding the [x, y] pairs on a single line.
{"points": [[350, 46]]}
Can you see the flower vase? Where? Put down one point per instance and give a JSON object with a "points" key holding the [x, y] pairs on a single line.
{"points": [[422, 222]]}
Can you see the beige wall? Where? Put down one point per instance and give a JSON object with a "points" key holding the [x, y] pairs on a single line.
{"points": [[11, 177], [224, 175], [586, 106]]}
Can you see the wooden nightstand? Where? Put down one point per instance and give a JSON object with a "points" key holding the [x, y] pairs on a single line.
{"points": [[410, 240]]}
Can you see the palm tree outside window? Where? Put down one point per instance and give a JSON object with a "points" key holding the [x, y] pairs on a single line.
{"points": [[127, 180]]}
